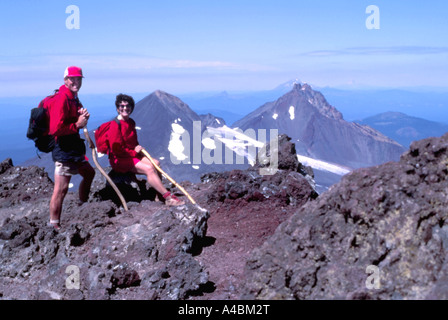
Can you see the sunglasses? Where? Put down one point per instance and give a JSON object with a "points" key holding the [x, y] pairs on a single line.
{"points": [[75, 79], [122, 106]]}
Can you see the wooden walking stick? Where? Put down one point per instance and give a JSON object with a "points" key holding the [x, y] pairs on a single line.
{"points": [[146, 154], [95, 159]]}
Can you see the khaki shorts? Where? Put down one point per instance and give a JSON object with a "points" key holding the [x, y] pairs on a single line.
{"points": [[68, 168]]}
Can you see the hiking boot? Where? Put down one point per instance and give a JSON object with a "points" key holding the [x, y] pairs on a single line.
{"points": [[172, 200], [55, 224]]}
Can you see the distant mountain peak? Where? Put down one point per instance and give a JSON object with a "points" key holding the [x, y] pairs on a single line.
{"points": [[404, 128], [302, 86], [316, 99], [289, 85], [161, 108], [164, 95], [169, 101], [391, 115], [320, 131]]}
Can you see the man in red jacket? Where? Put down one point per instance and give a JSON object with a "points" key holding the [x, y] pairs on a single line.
{"points": [[67, 116]]}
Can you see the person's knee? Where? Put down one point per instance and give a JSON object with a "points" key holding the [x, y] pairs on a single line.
{"points": [[88, 173], [149, 169]]}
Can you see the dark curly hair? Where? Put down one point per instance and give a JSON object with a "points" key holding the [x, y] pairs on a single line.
{"points": [[124, 97]]}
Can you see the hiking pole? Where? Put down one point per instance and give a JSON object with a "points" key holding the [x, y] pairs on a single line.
{"points": [[170, 179], [95, 159]]}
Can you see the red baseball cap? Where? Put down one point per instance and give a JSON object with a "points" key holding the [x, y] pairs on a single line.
{"points": [[73, 72]]}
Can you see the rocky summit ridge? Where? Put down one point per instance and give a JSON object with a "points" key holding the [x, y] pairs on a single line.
{"points": [[381, 233], [252, 236]]}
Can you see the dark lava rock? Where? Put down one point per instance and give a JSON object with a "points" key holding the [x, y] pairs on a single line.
{"points": [[389, 220], [284, 182], [5, 165], [286, 156], [132, 188], [384, 225], [246, 207], [22, 184], [101, 251]]}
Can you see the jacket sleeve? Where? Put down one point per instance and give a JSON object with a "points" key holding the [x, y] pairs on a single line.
{"points": [[61, 123], [118, 143]]}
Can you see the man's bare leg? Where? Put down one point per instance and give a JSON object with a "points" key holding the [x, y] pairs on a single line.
{"points": [[59, 192]]}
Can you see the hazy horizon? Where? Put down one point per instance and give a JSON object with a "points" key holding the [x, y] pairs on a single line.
{"points": [[202, 46]]}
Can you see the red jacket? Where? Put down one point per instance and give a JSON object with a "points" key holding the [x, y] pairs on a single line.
{"points": [[64, 113], [123, 139]]}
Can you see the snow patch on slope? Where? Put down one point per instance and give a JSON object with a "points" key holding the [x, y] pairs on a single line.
{"points": [[322, 165], [235, 140], [175, 146], [291, 112]]}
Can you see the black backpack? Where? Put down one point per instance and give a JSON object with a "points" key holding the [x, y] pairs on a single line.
{"points": [[39, 124]]}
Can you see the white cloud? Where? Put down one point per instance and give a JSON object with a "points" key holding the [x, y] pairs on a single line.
{"points": [[106, 62], [392, 50]]}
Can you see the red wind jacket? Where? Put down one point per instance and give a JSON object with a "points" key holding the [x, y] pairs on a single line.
{"points": [[64, 113]]}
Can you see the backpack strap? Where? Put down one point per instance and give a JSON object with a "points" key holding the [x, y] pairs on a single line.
{"points": [[119, 128], [118, 122]]}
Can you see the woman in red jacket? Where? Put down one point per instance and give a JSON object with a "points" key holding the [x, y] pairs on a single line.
{"points": [[124, 153]]}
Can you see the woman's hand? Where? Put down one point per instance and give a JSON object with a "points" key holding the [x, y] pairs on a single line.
{"points": [[138, 149]]}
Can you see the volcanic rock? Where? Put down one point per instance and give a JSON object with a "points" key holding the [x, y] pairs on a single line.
{"points": [[258, 236], [246, 207], [287, 181], [384, 225], [101, 252]]}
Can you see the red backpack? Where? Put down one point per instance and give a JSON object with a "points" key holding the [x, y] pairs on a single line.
{"points": [[101, 136]]}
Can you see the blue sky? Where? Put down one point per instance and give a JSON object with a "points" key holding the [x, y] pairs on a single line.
{"points": [[214, 45]]}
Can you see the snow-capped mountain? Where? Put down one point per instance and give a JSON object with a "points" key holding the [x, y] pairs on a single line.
{"points": [[189, 145], [319, 130]]}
